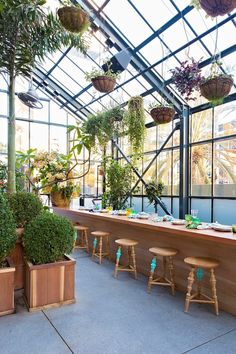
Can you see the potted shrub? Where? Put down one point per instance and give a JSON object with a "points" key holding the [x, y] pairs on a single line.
{"points": [[162, 113], [50, 272], [215, 8], [154, 189], [25, 206], [103, 81], [73, 18], [187, 78], [216, 86], [7, 269], [135, 123]]}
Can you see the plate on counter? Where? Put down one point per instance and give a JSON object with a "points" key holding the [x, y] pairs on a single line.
{"points": [[143, 215], [223, 228], [178, 222]]}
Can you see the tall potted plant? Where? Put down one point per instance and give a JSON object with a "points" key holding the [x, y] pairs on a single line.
{"points": [[154, 189], [27, 34], [48, 239], [7, 269]]}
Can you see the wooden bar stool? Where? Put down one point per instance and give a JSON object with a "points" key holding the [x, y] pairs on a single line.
{"points": [[197, 265], [81, 241], [167, 255], [129, 244], [98, 241]]}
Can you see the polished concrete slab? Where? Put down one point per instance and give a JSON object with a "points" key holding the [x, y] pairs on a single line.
{"points": [[117, 316]]}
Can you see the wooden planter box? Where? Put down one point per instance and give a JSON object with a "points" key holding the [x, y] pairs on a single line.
{"points": [[7, 289], [50, 285], [17, 257]]}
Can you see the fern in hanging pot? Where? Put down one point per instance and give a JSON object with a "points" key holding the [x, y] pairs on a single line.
{"points": [[217, 85], [162, 113], [135, 123], [73, 18], [103, 81], [215, 8], [187, 78]]}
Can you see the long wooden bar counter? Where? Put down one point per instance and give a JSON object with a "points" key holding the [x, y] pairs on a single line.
{"points": [[204, 243]]}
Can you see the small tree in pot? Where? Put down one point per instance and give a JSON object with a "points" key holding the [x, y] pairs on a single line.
{"points": [[7, 270], [154, 189], [48, 239]]}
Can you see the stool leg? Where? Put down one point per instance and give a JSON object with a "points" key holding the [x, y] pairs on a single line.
{"points": [[129, 256], [134, 261], [190, 285], [94, 246], [100, 250], [164, 267], [213, 287], [86, 240], [118, 254], [152, 270], [172, 278], [108, 248]]}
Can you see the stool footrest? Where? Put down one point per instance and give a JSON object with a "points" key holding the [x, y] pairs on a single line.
{"points": [[127, 268]]}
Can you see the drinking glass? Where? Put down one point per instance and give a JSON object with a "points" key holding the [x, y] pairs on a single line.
{"points": [[194, 213]]}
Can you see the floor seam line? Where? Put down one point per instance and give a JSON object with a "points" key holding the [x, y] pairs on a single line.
{"points": [[210, 340], [58, 332]]}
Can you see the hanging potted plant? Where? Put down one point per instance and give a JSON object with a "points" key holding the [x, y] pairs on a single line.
{"points": [[162, 112], [154, 189], [187, 78], [73, 18], [216, 86], [215, 8], [135, 123], [103, 81], [7, 269]]}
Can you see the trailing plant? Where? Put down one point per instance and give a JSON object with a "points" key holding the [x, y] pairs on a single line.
{"points": [[25, 206], [135, 122], [154, 189], [7, 230], [27, 35], [187, 78], [118, 184], [47, 238]]}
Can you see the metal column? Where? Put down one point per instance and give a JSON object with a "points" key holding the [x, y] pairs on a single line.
{"points": [[184, 163]]}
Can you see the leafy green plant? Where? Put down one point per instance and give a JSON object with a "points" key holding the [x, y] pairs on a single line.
{"points": [[47, 238], [20, 178], [27, 35], [118, 184], [135, 123], [154, 189], [96, 72], [7, 229], [25, 206], [156, 104]]}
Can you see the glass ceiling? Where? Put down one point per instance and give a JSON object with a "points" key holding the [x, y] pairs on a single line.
{"points": [[160, 34]]}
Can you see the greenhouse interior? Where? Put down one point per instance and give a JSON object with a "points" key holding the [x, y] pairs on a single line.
{"points": [[117, 176]]}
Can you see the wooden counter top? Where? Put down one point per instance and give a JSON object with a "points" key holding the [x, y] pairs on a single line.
{"points": [[209, 235]]}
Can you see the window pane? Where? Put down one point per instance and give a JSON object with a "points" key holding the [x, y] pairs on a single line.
{"points": [[39, 136], [225, 119], [3, 134], [3, 103], [40, 114], [22, 136], [201, 169], [201, 124], [58, 139]]}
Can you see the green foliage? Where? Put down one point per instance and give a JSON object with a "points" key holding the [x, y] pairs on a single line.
{"points": [[105, 125], [20, 178], [47, 238], [135, 122], [154, 189], [7, 228], [96, 72], [25, 207], [27, 34], [159, 104], [118, 184]]}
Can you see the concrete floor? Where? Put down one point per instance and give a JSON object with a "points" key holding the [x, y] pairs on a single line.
{"points": [[117, 316]]}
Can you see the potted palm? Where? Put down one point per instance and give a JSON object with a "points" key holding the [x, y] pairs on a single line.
{"points": [[7, 269], [25, 207], [73, 18], [215, 8], [50, 272], [103, 81], [216, 86], [162, 112], [23, 43]]}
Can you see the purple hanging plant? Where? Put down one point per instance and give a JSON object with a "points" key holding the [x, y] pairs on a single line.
{"points": [[187, 78]]}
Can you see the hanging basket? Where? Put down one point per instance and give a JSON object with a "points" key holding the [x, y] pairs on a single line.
{"points": [[73, 19], [58, 200], [216, 88], [162, 115], [215, 8], [104, 83]]}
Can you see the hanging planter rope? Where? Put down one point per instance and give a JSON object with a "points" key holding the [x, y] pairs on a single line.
{"points": [[162, 114], [215, 8], [73, 19]]}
